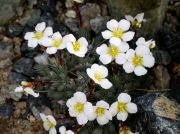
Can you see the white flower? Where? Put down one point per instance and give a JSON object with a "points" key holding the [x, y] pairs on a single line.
{"points": [[150, 43], [99, 73], [26, 88], [49, 123], [55, 43], [79, 107], [62, 130], [115, 51], [138, 59], [137, 20], [118, 31], [76, 47], [39, 36], [122, 107], [101, 113], [79, 1]]}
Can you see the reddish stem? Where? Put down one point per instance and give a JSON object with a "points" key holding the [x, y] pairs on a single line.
{"points": [[59, 57], [91, 89], [35, 82], [78, 14]]}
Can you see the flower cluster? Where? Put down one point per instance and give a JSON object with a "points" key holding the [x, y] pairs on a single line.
{"points": [[81, 109]]}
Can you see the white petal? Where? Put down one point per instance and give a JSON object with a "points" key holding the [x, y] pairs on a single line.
{"points": [[69, 132], [139, 17], [56, 36], [123, 46], [131, 108], [43, 117], [105, 83], [106, 34], [51, 119], [40, 27], [48, 31], [70, 48], [46, 126], [112, 24], [88, 108], [32, 43], [142, 50], [83, 41], [113, 108], [128, 67], [94, 67], [46, 42], [105, 58], [124, 25], [128, 36], [31, 92], [19, 89], [62, 130], [120, 59], [90, 73], [122, 116], [72, 113], [148, 61], [80, 97], [28, 35], [82, 119], [124, 97], [102, 120], [103, 70], [129, 18], [140, 41], [130, 54], [102, 104], [51, 50], [70, 38], [139, 71], [108, 115], [115, 41], [102, 49], [70, 102], [52, 131]]}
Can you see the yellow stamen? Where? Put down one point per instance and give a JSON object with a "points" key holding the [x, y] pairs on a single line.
{"points": [[76, 46], [98, 76], [136, 23], [39, 35], [79, 107], [117, 33], [26, 84], [113, 51], [57, 43], [100, 111], [137, 60], [121, 107], [50, 124]]}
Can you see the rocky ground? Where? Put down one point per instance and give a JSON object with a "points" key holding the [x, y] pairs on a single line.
{"points": [[159, 105]]}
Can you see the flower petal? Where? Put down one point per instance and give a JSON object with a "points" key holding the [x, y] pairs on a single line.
{"points": [[113, 108], [43, 117], [62, 130], [112, 24], [106, 34], [115, 41], [102, 104], [140, 41], [52, 131], [148, 61], [80, 97], [56, 36], [40, 27], [129, 54], [139, 71], [102, 49], [120, 58], [32, 43], [123, 46], [28, 35], [129, 18], [139, 17], [69, 132], [131, 108], [48, 31], [82, 119], [124, 25], [51, 50], [31, 92], [122, 116], [108, 115], [90, 73], [128, 36], [105, 58], [19, 89], [70, 38], [45, 41], [83, 41], [124, 97], [46, 126], [105, 83], [128, 67], [88, 108], [103, 70], [102, 120], [70, 102], [142, 50]]}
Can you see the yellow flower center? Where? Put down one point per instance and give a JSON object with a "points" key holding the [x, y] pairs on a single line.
{"points": [[76, 46], [79, 107], [26, 84], [50, 124], [39, 35], [113, 51], [117, 33], [121, 107], [98, 76], [137, 60], [136, 23], [57, 43], [100, 111]]}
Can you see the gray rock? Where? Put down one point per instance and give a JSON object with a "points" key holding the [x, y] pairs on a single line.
{"points": [[17, 77], [162, 57], [98, 23], [6, 110], [41, 59], [14, 29], [158, 114], [27, 51], [8, 10], [72, 24]]}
